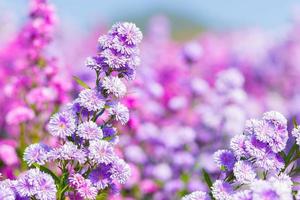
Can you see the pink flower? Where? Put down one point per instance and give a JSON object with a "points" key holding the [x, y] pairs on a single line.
{"points": [[18, 115]]}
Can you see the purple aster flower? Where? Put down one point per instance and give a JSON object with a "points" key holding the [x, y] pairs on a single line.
{"points": [[256, 148], [69, 151], [120, 112], [76, 180], [224, 158], [91, 99], [192, 51], [36, 153], [46, 189], [128, 32], [221, 190], [92, 63], [114, 86], [270, 161], [6, 193], [237, 145], [198, 195], [62, 124], [26, 184], [120, 171], [18, 115], [101, 176], [87, 190], [244, 172], [89, 130], [265, 190], [243, 195], [101, 151], [113, 59]]}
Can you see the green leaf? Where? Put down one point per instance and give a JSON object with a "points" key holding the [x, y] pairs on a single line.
{"points": [[295, 122], [185, 177], [81, 82], [48, 171], [102, 196], [207, 178]]}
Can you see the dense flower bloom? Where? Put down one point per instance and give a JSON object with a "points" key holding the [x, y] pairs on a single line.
{"points": [[237, 145], [224, 158], [120, 112], [91, 99], [62, 124], [128, 32], [244, 172], [76, 180], [101, 176], [114, 86], [120, 171], [87, 190], [89, 130], [6, 193], [196, 196], [18, 115], [36, 153], [221, 190], [265, 190], [101, 151], [243, 195], [35, 182], [296, 134]]}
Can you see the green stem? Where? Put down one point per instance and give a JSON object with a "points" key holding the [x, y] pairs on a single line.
{"points": [[22, 145]]}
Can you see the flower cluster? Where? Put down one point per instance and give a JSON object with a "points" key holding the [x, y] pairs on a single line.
{"points": [[259, 164], [86, 157], [35, 83]]}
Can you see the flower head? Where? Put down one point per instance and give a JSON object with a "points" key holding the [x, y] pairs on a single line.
{"points": [[91, 99], [120, 112], [225, 158], [101, 151], [36, 153], [101, 176], [18, 115], [89, 130], [120, 171], [62, 124], [114, 86], [221, 190], [198, 195], [243, 172]]}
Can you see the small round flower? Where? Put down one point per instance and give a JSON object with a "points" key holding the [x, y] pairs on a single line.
{"points": [[89, 130], [114, 86], [36, 153], [198, 195], [69, 151], [129, 32], [62, 124], [18, 115], [76, 180], [120, 171], [224, 159], [244, 172], [6, 193], [101, 176], [26, 184], [101, 151], [113, 59], [237, 145], [87, 190], [91, 99], [46, 189], [221, 190], [120, 112]]}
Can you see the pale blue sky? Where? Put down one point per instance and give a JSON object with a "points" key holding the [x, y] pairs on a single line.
{"points": [[214, 13]]}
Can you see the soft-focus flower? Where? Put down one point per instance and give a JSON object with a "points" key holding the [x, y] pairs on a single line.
{"points": [[18, 115], [120, 171], [196, 196]]}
